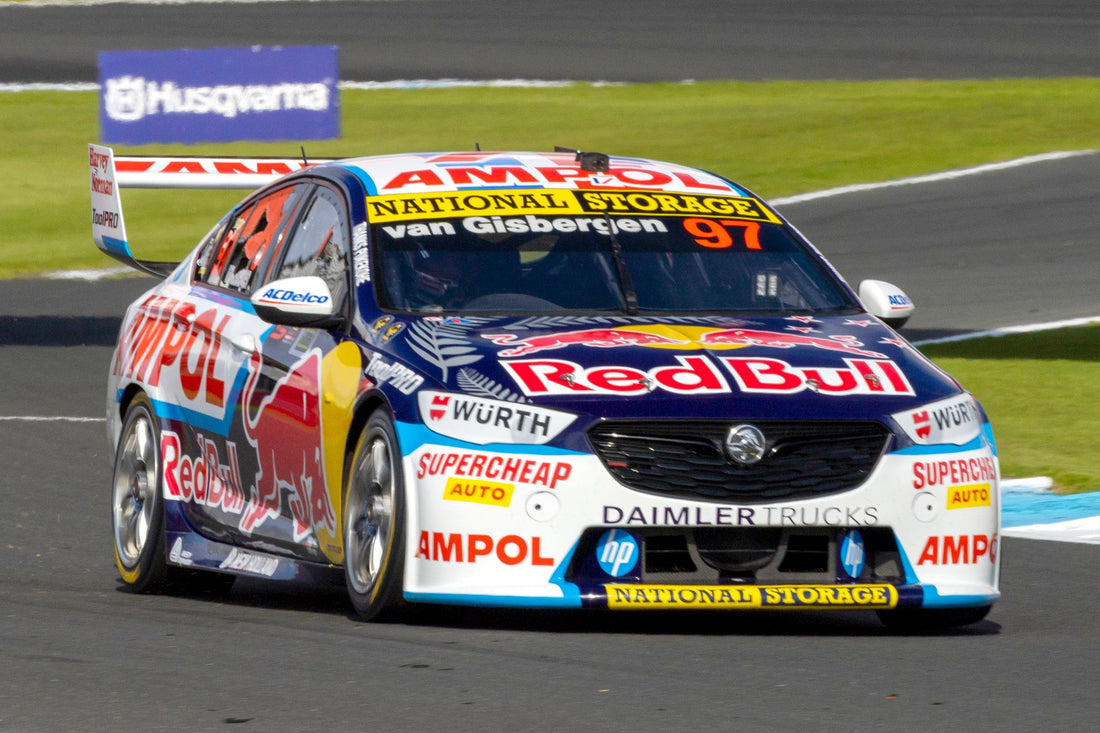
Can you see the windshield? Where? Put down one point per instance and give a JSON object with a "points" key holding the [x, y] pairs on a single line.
{"points": [[634, 254]]}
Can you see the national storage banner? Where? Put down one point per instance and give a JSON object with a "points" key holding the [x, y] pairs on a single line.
{"points": [[219, 95]]}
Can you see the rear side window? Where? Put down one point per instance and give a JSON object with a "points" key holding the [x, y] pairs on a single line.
{"points": [[239, 255]]}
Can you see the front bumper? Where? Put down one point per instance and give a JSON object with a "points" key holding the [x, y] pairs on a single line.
{"points": [[535, 526]]}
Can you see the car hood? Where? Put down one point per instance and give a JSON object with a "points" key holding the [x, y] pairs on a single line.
{"points": [[837, 367]]}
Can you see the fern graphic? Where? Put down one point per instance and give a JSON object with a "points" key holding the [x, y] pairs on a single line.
{"points": [[445, 344], [475, 383], [556, 322]]}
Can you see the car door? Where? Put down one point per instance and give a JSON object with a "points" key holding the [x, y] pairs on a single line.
{"points": [[209, 464], [293, 490]]}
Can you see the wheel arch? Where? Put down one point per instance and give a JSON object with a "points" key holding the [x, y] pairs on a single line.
{"points": [[383, 597], [131, 391], [366, 406]]}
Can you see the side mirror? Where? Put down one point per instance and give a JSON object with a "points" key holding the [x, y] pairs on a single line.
{"points": [[296, 301], [886, 301]]}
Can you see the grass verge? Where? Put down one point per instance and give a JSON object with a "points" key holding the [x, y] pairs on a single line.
{"points": [[778, 138], [1042, 394]]}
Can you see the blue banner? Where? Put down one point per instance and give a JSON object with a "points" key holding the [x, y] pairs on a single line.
{"points": [[219, 95]]}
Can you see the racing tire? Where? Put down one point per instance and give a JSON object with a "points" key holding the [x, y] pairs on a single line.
{"points": [[921, 620], [374, 522], [137, 504]]}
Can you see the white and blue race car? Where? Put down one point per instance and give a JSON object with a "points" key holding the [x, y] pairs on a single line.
{"points": [[560, 380]]}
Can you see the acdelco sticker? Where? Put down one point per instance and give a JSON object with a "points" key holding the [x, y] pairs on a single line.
{"points": [[483, 421], [954, 420]]}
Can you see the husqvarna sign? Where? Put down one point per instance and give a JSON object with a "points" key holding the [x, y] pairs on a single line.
{"points": [[219, 95]]}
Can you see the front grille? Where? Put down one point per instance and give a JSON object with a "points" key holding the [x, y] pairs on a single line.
{"points": [[738, 555], [685, 458]]}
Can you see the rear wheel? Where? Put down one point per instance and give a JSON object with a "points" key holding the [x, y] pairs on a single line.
{"points": [[374, 521], [137, 510], [915, 620]]}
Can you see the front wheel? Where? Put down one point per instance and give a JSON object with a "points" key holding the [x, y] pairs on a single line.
{"points": [[137, 514], [374, 521]]}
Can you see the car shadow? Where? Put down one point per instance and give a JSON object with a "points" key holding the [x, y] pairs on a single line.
{"points": [[332, 600], [59, 330]]}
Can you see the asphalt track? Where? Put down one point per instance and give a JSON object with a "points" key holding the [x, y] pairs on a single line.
{"points": [[616, 40], [78, 653]]}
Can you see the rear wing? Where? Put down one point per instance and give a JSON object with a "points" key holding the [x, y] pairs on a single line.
{"points": [[109, 174]]}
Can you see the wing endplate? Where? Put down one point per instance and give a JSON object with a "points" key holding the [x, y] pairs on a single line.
{"points": [[110, 173]]}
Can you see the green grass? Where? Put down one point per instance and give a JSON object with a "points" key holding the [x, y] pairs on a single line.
{"points": [[778, 138], [1042, 394]]}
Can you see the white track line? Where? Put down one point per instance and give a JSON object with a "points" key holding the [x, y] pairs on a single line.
{"points": [[1008, 330], [1085, 530], [45, 418], [931, 177]]}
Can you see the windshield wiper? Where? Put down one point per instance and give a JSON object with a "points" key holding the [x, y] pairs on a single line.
{"points": [[626, 285]]}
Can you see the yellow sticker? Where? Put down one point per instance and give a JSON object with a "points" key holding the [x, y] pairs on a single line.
{"points": [[562, 202], [750, 596], [452, 204], [478, 491], [676, 204], [971, 495]]}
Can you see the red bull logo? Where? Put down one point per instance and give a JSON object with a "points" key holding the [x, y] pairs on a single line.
{"points": [[856, 377], [690, 375], [699, 375], [285, 430], [603, 338], [781, 340]]}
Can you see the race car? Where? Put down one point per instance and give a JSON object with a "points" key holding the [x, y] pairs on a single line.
{"points": [[532, 380]]}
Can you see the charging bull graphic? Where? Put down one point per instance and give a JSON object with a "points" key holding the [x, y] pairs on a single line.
{"points": [[781, 340], [706, 339], [285, 430], [603, 338]]}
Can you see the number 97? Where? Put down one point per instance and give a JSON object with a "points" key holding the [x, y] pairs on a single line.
{"points": [[716, 234]]}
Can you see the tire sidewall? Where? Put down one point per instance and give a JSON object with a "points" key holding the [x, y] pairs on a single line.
{"points": [[150, 570], [385, 594]]}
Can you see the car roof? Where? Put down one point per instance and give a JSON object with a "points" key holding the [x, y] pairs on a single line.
{"points": [[413, 173]]}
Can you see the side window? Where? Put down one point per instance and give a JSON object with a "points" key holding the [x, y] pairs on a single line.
{"points": [[208, 252], [251, 241], [319, 245]]}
